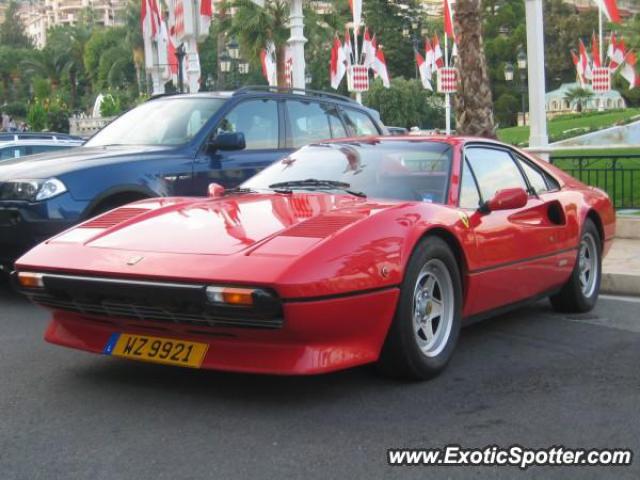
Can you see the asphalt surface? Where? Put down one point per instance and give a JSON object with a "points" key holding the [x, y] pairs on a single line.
{"points": [[532, 377]]}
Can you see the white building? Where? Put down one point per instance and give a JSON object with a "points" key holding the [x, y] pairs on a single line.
{"points": [[556, 103], [41, 15]]}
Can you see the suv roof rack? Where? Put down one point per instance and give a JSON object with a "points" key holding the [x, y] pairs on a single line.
{"points": [[316, 93]]}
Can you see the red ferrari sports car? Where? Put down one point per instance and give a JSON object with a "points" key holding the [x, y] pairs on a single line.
{"points": [[341, 254]]}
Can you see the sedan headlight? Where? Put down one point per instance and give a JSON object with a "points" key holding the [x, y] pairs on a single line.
{"points": [[31, 190]]}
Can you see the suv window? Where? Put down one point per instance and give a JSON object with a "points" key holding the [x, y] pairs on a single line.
{"points": [[308, 121], [469, 195], [12, 152], [360, 122], [258, 120], [494, 170]]}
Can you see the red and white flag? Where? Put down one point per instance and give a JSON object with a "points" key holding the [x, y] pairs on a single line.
{"points": [[150, 19], [448, 19], [268, 61], [595, 51], [380, 68], [584, 62], [438, 57], [429, 57], [579, 68], [348, 49], [368, 49], [338, 66], [628, 70], [356, 11], [206, 13], [425, 72], [610, 9], [616, 52]]}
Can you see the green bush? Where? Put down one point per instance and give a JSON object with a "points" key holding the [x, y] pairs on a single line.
{"points": [[37, 116], [15, 109], [110, 106], [406, 104]]}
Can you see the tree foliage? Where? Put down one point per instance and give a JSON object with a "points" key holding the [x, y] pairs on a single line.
{"points": [[12, 31], [405, 104]]}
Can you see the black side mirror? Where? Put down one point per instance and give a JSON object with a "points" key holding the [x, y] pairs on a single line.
{"points": [[227, 141]]}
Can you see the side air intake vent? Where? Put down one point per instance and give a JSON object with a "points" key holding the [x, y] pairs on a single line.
{"points": [[321, 226], [114, 217]]}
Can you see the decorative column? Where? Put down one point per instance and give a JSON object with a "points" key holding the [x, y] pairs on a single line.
{"points": [[535, 54], [296, 44]]}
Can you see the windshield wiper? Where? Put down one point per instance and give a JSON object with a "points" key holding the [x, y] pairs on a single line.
{"points": [[240, 190], [315, 183]]}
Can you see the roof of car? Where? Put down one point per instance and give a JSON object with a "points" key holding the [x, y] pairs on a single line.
{"points": [[265, 89], [451, 139]]}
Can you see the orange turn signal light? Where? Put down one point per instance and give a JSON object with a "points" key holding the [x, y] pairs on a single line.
{"points": [[230, 295], [30, 280]]}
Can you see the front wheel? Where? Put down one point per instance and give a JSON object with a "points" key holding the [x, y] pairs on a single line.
{"points": [[426, 326], [580, 293]]}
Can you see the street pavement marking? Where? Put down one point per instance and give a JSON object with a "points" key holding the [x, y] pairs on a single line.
{"points": [[620, 298]]}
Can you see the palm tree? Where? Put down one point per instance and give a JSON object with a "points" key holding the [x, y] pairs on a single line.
{"points": [[50, 65], [134, 37], [254, 26], [473, 101], [578, 95]]}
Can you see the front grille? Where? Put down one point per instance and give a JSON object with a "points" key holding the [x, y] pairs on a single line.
{"points": [[151, 302]]}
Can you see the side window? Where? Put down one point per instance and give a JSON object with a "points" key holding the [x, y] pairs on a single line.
{"points": [[469, 196], [360, 123], [536, 179], [258, 120], [494, 170], [338, 129], [308, 122]]}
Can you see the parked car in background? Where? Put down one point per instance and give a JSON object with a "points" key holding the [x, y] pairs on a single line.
{"points": [[23, 145], [397, 131], [171, 145], [341, 254]]}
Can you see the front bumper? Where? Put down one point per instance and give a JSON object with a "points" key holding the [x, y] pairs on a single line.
{"points": [[24, 225], [317, 336]]}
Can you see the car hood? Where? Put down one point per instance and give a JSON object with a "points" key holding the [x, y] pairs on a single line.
{"points": [[223, 226], [55, 164]]}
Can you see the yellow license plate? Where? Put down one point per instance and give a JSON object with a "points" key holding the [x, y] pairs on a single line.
{"points": [[157, 349]]}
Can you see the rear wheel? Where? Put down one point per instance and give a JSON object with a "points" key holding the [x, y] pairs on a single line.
{"points": [[580, 293], [426, 326]]}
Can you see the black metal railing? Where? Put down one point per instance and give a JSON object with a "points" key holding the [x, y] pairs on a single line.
{"points": [[618, 175]]}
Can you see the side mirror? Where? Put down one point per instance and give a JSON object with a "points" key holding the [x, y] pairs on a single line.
{"points": [[227, 141], [215, 190], [507, 199]]}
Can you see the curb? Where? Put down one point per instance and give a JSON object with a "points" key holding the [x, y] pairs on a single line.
{"points": [[620, 284], [628, 227]]}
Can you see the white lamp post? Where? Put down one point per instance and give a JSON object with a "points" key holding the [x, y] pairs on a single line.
{"points": [[535, 54], [296, 44]]}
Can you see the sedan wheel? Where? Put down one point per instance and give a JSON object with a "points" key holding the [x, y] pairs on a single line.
{"points": [[425, 329], [580, 293], [433, 308]]}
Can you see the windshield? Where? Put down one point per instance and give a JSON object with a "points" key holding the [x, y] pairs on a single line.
{"points": [[165, 121], [398, 170]]}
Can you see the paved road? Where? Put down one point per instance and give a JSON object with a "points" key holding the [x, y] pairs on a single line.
{"points": [[532, 377]]}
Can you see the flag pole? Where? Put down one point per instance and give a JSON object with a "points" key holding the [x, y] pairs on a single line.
{"points": [[447, 96], [600, 40]]}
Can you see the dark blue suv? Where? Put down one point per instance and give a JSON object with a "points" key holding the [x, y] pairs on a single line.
{"points": [[168, 146]]}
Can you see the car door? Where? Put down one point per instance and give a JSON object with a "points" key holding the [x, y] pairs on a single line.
{"points": [[260, 120], [520, 252]]}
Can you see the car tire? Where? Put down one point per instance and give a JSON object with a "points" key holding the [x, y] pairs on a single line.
{"points": [[426, 326], [581, 291]]}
